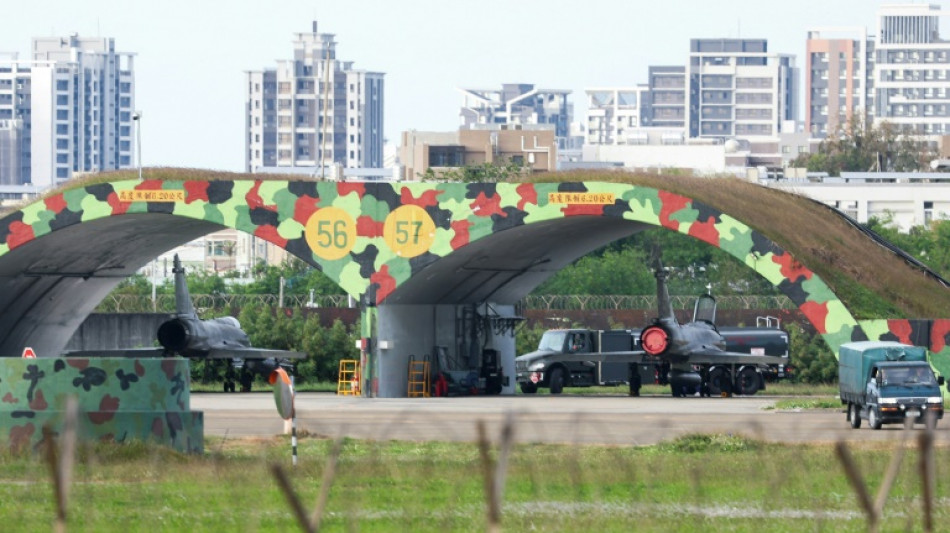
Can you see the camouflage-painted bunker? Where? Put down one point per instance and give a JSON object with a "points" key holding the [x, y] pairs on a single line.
{"points": [[422, 258], [118, 399]]}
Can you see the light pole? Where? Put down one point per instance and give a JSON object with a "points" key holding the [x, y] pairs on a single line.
{"points": [[137, 117]]}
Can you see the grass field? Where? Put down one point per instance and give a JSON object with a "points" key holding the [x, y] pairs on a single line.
{"points": [[696, 483]]}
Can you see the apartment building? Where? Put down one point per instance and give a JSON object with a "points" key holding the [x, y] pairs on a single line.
{"points": [[314, 110], [519, 104], [839, 78], [912, 70], [737, 89], [614, 115], [67, 110]]}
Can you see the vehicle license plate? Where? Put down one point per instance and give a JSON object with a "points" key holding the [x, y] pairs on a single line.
{"points": [[913, 412]]}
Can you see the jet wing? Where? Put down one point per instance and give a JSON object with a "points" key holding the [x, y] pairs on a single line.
{"points": [[251, 353], [712, 355], [603, 357], [214, 353], [117, 352]]}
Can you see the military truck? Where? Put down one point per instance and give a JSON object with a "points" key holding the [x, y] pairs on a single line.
{"points": [[887, 382]]}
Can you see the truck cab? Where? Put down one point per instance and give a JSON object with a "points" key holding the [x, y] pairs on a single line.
{"points": [[898, 390]]}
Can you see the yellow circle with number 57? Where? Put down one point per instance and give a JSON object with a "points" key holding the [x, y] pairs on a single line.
{"points": [[331, 233], [409, 231]]}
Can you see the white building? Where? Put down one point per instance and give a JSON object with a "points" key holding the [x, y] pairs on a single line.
{"points": [[912, 69], [738, 89], [908, 199], [68, 110], [614, 115], [314, 110], [519, 104]]}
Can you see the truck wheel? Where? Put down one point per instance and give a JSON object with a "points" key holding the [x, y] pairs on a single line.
{"points": [[557, 381], [854, 413], [529, 388], [874, 419], [748, 381]]}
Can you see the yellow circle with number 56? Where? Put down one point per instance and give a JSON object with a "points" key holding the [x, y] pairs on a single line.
{"points": [[331, 233], [409, 231]]}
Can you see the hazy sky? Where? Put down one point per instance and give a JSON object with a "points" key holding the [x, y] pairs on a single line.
{"points": [[192, 55]]}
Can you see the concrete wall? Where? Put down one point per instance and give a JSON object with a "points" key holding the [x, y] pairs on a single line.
{"points": [[108, 330], [406, 330]]}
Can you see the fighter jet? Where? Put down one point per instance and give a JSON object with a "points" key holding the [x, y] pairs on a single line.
{"points": [[697, 351], [216, 338], [695, 357]]}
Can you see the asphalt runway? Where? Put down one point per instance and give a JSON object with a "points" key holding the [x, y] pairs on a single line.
{"points": [[565, 419]]}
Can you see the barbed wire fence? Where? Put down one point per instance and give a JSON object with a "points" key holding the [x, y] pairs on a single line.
{"points": [[133, 303]]}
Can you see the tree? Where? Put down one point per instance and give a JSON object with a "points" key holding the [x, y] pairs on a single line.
{"points": [[859, 146], [486, 172]]}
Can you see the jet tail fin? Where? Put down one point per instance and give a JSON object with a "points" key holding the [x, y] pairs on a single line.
{"points": [[664, 307], [183, 303]]}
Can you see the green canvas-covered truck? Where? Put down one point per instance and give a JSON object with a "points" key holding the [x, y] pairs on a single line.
{"points": [[887, 382]]}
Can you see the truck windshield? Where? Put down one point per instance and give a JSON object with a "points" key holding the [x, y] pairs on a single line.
{"points": [[552, 341], [920, 375]]}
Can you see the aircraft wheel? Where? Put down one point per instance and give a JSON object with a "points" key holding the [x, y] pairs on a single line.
{"points": [[874, 419], [748, 381], [854, 415], [557, 380], [529, 388], [719, 381]]}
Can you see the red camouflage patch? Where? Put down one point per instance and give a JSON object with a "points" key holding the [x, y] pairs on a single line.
{"points": [[39, 402], [169, 367], [304, 207], [486, 207], [817, 314], [938, 334], [461, 238], [574, 210], [78, 364], [158, 428], [528, 194], [107, 408], [196, 191], [344, 188], [56, 203], [118, 206], [367, 227], [791, 268], [269, 233], [139, 369], [20, 436], [8, 398], [705, 231], [427, 199], [387, 284], [901, 329], [254, 199], [20, 233], [669, 204]]}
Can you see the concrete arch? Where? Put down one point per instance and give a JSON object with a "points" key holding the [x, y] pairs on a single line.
{"points": [[387, 243]]}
